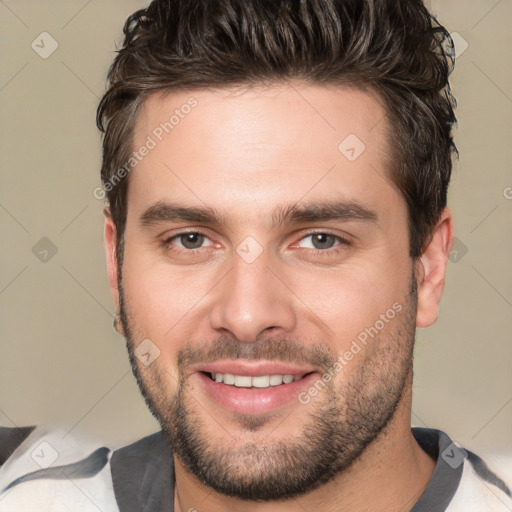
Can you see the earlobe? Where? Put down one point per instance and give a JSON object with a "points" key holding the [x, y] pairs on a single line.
{"points": [[431, 271]]}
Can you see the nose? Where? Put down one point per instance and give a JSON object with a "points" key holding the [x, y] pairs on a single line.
{"points": [[252, 299]]}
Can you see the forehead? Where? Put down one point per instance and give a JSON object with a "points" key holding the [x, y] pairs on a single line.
{"points": [[283, 114], [265, 145]]}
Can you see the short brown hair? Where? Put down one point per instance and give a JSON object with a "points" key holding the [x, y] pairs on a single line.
{"points": [[394, 47]]}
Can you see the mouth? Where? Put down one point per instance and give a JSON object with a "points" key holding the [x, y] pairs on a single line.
{"points": [[256, 381], [253, 389]]}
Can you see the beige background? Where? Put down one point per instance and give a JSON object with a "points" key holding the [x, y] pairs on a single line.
{"points": [[61, 362]]}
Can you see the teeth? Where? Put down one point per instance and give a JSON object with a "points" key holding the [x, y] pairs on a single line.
{"points": [[276, 380], [242, 381], [228, 379], [261, 381]]}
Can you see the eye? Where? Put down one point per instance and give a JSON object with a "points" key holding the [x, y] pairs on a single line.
{"points": [[322, 241], [189, 241]]}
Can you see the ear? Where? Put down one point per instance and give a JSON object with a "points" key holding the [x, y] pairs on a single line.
{"points": [[110, 238], [431, 270]]}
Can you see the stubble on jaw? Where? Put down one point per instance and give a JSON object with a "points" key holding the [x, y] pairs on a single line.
{"points": [[336, 430]]}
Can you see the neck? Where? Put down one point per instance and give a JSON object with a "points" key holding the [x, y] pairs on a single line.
{"points": [[390, 475]]}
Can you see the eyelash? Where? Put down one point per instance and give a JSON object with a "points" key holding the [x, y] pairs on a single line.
{"points": [[315, 252]]}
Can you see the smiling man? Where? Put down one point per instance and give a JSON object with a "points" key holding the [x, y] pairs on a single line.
{"points": [[278, 234], [276, 228]]}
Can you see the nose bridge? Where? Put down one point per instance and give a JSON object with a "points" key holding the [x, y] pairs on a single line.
{"points": [[251, 299]]}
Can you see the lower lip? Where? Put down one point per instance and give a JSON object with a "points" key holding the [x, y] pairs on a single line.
{"points": [[254, 400]]}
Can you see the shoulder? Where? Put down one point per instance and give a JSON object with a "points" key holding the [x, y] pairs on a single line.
{"points": [[464, 479], [486, 482], [44, 468], [143, 474]]}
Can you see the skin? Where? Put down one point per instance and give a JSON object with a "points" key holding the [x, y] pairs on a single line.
{"points": [[246, 153]]}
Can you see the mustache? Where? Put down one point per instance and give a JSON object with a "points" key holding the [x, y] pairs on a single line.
{"points": [[271, 349]]}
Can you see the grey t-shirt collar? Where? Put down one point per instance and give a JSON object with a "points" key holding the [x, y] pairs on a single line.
{"points": [[445, 480]]}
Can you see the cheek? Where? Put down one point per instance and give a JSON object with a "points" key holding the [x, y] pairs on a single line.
{"points": [[346, 301], [159, 298]]}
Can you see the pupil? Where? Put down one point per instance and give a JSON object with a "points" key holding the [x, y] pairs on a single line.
{"points": [[192, 240], [322, 240]]}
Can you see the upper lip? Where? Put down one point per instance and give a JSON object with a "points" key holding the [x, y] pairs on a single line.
{"points": [[252, 368]]}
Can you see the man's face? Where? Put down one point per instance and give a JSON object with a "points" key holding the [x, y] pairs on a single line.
{"points": [[268, 290]]}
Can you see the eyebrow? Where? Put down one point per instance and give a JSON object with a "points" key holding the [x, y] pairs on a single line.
{"points": [[337, 210]]}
